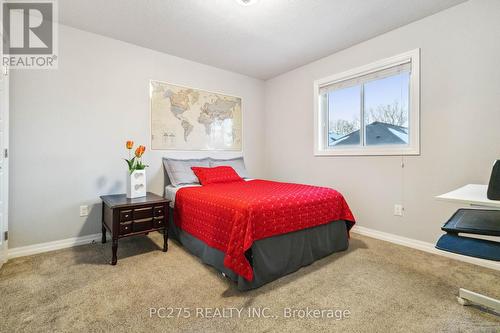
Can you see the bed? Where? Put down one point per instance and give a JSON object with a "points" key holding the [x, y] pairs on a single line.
{"points": [[255, 231]]}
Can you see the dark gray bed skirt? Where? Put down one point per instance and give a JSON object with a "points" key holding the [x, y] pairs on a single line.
{"points": [[272, 257]]}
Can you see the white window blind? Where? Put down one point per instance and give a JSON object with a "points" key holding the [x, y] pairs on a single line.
{"points": [[404, 67]]}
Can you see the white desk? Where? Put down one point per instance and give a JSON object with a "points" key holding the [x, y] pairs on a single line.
{"points": [[474, 195]]}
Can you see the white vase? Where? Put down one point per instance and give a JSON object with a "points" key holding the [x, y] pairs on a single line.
{"points": [[136, 184]]}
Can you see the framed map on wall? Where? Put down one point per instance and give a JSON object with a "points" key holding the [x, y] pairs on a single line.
{"points": [[190, 119]]}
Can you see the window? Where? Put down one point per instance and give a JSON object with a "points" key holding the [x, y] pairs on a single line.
{"points": [[372, 110]]}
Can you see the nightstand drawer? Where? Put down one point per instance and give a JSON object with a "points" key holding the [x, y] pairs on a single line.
{"points": [[142, 213], [142, 225], [159, 211], [126, 215], [158, 222], [125, 228]]}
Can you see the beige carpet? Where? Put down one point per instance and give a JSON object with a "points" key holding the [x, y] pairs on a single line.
{"points": [[385, 288]]}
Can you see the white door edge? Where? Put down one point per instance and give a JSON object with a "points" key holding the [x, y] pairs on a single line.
{"points": [[4, 158]]}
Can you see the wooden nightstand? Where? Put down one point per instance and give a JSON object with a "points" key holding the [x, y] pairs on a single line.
{"points": [[125, 217]]}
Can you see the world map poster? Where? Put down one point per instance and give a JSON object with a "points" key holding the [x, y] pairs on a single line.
{"points": [[190, 119]]}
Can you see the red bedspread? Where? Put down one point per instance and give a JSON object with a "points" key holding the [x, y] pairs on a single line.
{"points": [[231, 216]]}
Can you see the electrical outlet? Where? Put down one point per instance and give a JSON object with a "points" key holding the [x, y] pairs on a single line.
{"points": [[84, 210], [398, 210]]}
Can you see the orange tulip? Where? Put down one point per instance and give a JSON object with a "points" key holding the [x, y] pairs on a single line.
{"points": [[139, 151], [129, 144]]}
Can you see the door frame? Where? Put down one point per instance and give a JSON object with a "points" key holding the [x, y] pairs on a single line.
{"points": [[4, 225]]}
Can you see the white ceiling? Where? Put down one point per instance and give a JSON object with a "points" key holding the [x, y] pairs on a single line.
{"points": [[261, 40]]}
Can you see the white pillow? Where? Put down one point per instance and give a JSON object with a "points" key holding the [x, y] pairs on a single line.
{"points": [[179, 171], [238, 164]]}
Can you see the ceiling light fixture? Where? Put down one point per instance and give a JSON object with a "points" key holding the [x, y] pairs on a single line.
{"points": [[247, 2]]}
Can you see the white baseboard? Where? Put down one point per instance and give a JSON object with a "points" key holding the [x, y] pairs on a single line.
{"points": [[51, 246], [423, 246]]}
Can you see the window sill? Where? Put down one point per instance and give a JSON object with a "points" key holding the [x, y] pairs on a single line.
{"points": [[369, 152]]}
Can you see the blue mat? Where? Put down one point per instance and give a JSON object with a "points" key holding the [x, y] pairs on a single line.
{"points": [[473, 247]]}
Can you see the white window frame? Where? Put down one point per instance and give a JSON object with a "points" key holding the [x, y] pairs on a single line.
{"points": [[321, 147]]}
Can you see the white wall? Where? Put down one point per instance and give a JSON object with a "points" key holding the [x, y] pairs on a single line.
{"points": [[68, 128], [460, 122]]}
